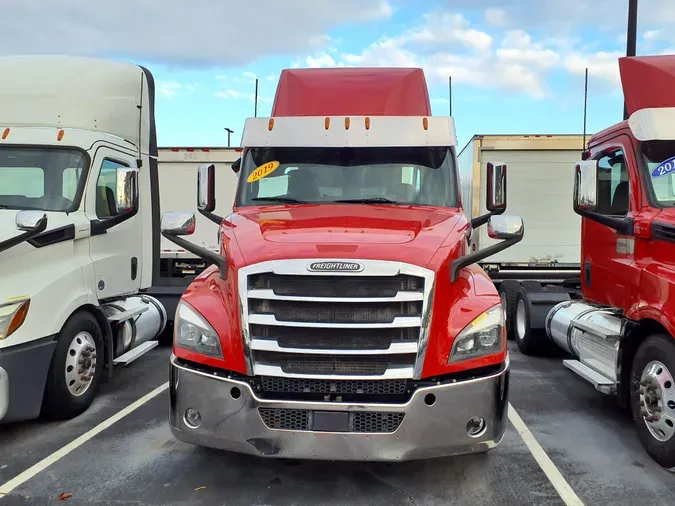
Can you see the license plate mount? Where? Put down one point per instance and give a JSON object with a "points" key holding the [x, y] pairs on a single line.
{"points": [[330, 421]]}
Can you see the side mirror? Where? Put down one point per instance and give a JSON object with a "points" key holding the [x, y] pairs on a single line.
{"points": [[585, 186], [508, 228], [236, 166], [127, 189], [206, 192], [31, 221], [505, 227], [496, 187], [206, 188], [178, 223]]}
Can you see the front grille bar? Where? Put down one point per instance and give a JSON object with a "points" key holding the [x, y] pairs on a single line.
{"points": [[273, 345], [398, 322], [270, 295]]}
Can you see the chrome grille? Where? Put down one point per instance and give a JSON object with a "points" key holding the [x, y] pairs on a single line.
{"points": [[369, 325], [360, 421]]}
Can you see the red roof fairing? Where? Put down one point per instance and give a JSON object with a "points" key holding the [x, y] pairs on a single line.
{"points": [[648, 81], [352, 91]]}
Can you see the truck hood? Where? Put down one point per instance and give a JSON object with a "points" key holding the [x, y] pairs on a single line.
{"points": [[411, 234]]}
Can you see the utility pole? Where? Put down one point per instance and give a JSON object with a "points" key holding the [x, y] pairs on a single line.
{"points": [[255, 110], [631, 38], [450, 95], [229, 132]]}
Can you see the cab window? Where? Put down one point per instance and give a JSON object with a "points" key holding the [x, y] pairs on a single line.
{"points": [[106, 189], [613, 185]]}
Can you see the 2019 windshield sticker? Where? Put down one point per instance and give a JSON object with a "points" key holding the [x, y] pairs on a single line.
{"points": [[262, 171], [664, 168]]}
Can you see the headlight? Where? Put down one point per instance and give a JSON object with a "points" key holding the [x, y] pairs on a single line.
{"points": [[192, 332], [12, 317], [483, 336]]}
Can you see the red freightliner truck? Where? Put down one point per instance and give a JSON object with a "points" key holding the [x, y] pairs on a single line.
{"points": [[344, 316], [619, 322]]}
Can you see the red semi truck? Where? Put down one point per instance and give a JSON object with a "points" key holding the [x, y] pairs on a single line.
{"points": [[619, 323], [344, 317]]}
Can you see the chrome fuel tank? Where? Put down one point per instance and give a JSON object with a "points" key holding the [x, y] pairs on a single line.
{"points": [[590, 333]]}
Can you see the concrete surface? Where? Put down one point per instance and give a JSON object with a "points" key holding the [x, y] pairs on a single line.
{"points": [[136, 461]]}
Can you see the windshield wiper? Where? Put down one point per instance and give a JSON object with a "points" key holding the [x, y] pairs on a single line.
{"points": [[371, 200], [286, 200]]}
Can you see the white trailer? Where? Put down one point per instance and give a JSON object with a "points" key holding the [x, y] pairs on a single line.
{"points": [[178, 189], [540, 174]]}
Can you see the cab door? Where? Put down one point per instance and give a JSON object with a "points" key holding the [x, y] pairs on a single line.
{"points": [[608, 268], [115, 243]]}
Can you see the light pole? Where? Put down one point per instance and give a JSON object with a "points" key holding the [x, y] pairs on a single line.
{"points": [[229, 132], [631, 38]]}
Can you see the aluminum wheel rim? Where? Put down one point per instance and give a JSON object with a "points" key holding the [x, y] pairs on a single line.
{"points": [[80, 364], [520, 318], [502, 297], [657, 400]]}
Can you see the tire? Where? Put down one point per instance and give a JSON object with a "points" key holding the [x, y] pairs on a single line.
{"points": [[508, 289], [530, 341], [166, 337], [532, 286], [80, 338], [657, 352]]}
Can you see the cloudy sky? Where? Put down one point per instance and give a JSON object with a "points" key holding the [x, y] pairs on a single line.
{"points": [[517, 65]]}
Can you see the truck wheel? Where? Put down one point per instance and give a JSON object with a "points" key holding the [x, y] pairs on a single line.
{"points": [[532, 286], [529, 340], [508, 290], [652, 395], [75, 371]]}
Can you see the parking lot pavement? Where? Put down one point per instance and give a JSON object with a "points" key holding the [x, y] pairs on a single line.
{"points": [[591, 440], [137, 461]]}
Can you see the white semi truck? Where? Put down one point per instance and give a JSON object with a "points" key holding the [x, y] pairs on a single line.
{"points": [[82, 284], [541, 169]]}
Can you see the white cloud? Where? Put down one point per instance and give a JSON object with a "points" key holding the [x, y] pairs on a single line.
{"points": [[652, 34], [240, 95], [496, 17], [203, 33], [564, 16], [321, 60], [447, 44], [170, 89], [603, 66], [519, 49]]}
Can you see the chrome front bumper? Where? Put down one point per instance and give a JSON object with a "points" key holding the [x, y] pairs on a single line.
{"points": [[234, 424]]}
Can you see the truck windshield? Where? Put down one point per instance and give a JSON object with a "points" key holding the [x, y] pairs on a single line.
{"points": [[46, 179], [398, 175], [659, 157]]}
